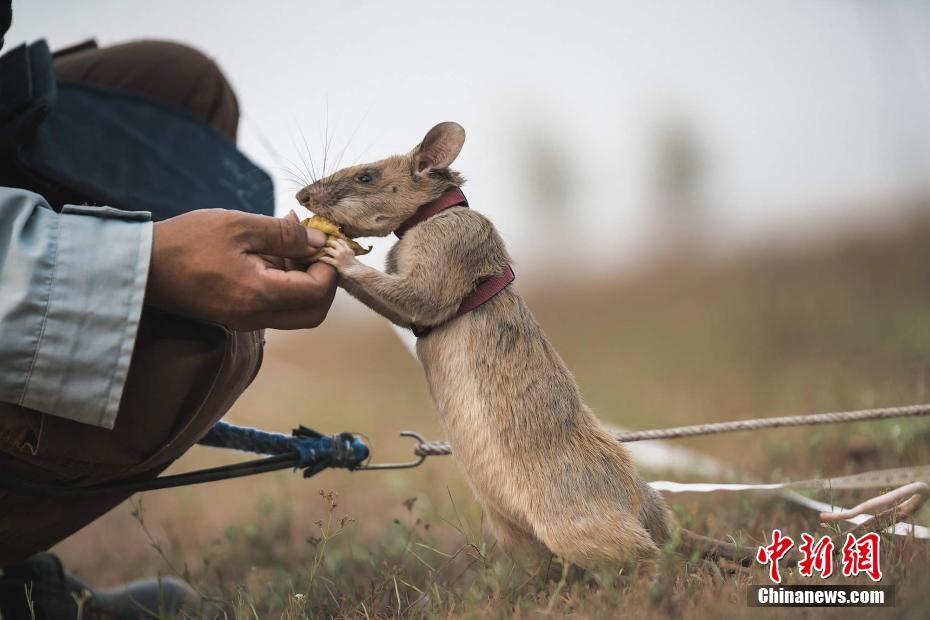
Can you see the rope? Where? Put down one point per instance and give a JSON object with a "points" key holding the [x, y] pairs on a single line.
{"points": [[816, 419], [442, 448]]}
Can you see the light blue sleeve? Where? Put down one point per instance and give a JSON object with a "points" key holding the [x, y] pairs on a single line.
{"points": [[71, 293]]}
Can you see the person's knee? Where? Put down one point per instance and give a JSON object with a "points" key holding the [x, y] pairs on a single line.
{"points": [[170, 73]]}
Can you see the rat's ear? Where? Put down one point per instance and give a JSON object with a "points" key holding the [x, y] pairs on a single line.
{"points": [[438, 150]]}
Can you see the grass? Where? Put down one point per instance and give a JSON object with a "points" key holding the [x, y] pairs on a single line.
{"points": [[838, 326]]}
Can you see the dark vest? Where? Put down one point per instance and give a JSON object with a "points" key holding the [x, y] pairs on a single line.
{"points": [[77, 144]]}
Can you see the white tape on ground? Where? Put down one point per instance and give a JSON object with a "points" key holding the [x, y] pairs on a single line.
{"points": [[709, 487], [901, 529], [875, 479], [865, 480]]}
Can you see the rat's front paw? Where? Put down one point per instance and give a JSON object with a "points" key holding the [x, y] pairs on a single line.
{"points": [[339, 255]]}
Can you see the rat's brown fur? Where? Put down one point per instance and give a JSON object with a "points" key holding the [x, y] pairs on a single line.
{"points": [[548, 474]]}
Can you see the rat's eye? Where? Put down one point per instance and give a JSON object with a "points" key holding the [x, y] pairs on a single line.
{"points": [[363, 178]]}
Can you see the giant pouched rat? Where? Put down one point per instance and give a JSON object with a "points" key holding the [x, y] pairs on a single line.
{"points": [[548, 474]]}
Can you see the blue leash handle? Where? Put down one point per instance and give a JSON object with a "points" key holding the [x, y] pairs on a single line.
{"points": [[314, 450], [306, 449]]}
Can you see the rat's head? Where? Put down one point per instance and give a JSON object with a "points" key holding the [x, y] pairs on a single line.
{"points": [[372, 200]]}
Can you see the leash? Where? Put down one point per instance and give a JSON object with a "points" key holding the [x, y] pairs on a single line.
{"points": [[305, 449], [443, 448], [312, 452]]}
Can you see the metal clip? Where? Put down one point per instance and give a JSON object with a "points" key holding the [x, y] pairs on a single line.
{"points": [[409, 465]]}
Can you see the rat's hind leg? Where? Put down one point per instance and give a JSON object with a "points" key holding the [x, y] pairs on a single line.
{"points": [[590, 540], [515, 540]]}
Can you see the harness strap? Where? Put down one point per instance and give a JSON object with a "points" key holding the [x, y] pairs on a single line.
{"points": [[484, 292], [451, 198], [486, 289]]}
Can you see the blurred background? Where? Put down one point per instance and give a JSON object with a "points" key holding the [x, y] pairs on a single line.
{"points": [[654, 124], [717, 210]]}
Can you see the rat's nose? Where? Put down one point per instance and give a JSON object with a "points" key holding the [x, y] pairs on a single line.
{"points": [[307, 194], [303, 196]]}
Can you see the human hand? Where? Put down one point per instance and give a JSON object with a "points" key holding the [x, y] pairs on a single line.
{"points": [[238, 269]]}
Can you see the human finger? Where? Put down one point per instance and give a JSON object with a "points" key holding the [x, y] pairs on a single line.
{"points": [[284, 237]]}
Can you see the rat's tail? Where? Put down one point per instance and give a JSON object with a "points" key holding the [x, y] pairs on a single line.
{"points": [[713, 549], [659, 521]]}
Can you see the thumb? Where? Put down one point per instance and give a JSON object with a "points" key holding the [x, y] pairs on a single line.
{"points": [[284, 237]]}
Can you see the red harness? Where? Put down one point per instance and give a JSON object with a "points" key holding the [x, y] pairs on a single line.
{"points": [[486, 289]]}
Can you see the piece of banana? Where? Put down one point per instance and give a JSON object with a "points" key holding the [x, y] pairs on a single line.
{"points": [[332, 231]]}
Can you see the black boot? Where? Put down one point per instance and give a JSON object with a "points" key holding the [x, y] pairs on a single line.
{"points": [[40, 588]]}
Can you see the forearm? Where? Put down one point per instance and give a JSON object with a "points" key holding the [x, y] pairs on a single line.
{"points": [[71, 292], [363, 296], [408, 299]]}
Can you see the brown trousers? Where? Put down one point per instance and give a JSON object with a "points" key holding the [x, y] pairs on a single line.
{"points": [[184, 374]]}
